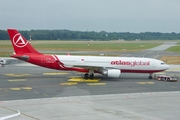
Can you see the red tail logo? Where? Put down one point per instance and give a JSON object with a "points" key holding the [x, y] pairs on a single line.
{"points": [[20, 44], [19, 41]]}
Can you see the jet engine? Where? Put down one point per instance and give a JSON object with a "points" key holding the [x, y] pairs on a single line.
{"points": [[112, 73]]}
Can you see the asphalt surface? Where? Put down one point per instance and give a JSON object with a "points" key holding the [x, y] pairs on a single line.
{"points": [[24, 81]]}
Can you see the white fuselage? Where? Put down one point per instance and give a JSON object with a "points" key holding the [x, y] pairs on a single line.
{"points": [[131, 64]]}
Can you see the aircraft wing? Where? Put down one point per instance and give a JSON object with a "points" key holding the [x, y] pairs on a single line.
{"points": [[10, 116]]}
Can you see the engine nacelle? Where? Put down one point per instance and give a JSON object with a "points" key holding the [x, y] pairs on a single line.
{"points": [[112, 73]]}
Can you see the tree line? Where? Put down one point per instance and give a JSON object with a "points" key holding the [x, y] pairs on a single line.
{"points": [[91, 35]]}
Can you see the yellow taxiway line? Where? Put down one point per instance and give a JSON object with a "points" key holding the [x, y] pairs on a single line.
{"points": [[15, 88], [142, 83], [17, 80], [69, 83], [79, 79], [21, 88], [17, 75]]}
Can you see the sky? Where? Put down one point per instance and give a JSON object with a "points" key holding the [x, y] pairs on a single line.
{"points": [[92, 15]]}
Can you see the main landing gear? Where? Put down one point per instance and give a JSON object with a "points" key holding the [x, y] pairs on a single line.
{"points": [[150, 76], [91, 76]]}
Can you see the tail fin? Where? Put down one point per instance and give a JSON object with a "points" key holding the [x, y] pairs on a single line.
{"points": [[20, 44]]}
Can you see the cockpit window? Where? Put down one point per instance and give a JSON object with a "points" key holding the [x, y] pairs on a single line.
{"points": [[162, 63]]}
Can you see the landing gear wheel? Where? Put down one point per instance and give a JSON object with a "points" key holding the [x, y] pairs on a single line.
{"points": [[86, 76], [91, 76], [150, 77]]}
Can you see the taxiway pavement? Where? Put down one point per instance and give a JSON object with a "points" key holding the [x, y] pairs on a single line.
{"points": [[18, 82], [43, 94]]}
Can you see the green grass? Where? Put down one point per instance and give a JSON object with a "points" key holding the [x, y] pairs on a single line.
{"points": [[174, 49], [105, 46], [96, 47]]}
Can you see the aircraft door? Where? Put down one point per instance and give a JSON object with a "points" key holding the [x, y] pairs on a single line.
{"points": [[48, 61], [43, 59], [153, 64], [80, 60]]}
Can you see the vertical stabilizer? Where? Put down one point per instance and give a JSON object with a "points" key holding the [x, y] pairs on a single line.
{"points": [[20, 44]]}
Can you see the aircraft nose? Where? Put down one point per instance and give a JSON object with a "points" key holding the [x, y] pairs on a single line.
{"points": [[166, 66]]}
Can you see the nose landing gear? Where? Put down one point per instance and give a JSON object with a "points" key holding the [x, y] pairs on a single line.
{"points": [[150, 76]]}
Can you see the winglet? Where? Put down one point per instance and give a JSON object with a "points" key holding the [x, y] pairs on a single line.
{"points": [[20, 44]]}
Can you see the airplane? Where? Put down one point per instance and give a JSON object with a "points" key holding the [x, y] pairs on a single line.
{"points": [[107, 66], [10, 116]]}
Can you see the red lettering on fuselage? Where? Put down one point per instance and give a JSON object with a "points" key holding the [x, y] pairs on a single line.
{"points": [[130, 63]]}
